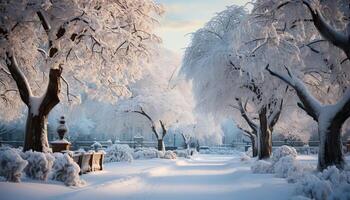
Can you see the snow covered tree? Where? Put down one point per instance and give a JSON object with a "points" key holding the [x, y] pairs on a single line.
{"points": [[186, 131], [159, 97], [315, 38], [223, 67], [97, 45], [159, 135]]}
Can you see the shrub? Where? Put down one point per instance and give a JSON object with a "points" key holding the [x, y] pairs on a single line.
{"points": [[285, 166], [282, 152], [66, 170], [261, 167], [11, 164], [245, 157], [119, 153], [312, 187], [182, 153], [146, 153], [39, 164], [169, 155]]}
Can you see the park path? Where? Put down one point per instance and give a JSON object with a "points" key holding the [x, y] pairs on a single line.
{"points": [[204, 177]]}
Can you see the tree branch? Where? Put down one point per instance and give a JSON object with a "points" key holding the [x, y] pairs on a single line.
{"points": [[51, 97], [337, 38], [250, 122], [164, 131], [272, 120], [312, 105], [21, 81], [153, 127], [344, 106]]}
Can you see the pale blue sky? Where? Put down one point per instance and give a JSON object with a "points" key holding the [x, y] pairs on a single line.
{"points": [[183, 17]]}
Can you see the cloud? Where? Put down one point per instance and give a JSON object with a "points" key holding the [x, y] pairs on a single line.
{"points": [[186, 16], [181, 25]]}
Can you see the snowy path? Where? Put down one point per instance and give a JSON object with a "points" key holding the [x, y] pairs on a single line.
{"points": [[202, 177]]}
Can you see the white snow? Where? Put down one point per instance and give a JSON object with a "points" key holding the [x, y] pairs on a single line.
{"points": [[66, 170], [201, 177], [39, 164], [63, 141], [146, 153], [119, 153], [11, 164], [169, 155], [35, 102], [282, 152]]}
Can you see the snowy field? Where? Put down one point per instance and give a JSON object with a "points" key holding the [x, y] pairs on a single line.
{"points": [[201, 177]]}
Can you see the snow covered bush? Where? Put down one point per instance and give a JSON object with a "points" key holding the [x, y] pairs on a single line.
{"points": [[335, 176], [66, 170], [39, 164], [285, 167], [340, 193], [245, 157], [331, 183], [261, 167], [11, 164], [119, 153], [249, 152], [312, 187], [146, 153], [182, 153], [282, 152], [169, 155], [219, 150]]}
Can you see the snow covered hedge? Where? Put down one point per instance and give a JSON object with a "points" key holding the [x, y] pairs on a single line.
{"points": [[261, 167], [286, 167], [11, 164], [146, 153], [66, 170], [119, 153], [330, 184], [282, 163], [39, 164], [282, 152], [169, 155]]}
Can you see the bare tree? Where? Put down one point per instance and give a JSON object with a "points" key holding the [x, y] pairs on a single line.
{"points": [[159, 136]]}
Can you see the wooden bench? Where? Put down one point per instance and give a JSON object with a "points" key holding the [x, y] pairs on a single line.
{"points": [[89, 162]]}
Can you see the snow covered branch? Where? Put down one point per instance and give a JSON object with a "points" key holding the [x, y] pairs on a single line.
{"points": [[273, 118], [311, 105], [337, 38], [344, 107], [245, 116], [164, 131], [51, 98], [20, 79], [153, 126]]}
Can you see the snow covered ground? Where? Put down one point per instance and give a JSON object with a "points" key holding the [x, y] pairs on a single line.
{"points": [[201, 177]]}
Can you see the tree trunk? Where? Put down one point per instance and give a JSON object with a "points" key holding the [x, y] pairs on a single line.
{"points": [[36, 133], [330, 148], [161, 146], [254, 146], [38, 107], [264, 136], [36, 127]]}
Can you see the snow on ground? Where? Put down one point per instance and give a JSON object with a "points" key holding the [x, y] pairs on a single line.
{"points": [[201, 177]]}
